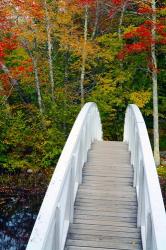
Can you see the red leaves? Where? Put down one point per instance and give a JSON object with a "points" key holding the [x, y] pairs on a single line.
{"points": [[21, 68], [140, 32], [144, 10], [136, 47], [85, 2], [117, 2], [132, 48], [142, 38], [2, 54], [29, 8], [7, 44]]}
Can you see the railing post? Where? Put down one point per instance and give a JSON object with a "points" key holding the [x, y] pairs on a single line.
{"points": [[140, 195], [72, 181], [149, 232], [57, 239]]}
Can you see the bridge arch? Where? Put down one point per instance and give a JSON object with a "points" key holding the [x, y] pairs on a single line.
{"points": [[57, 210]]}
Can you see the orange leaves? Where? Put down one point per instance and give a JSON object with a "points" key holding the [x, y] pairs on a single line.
{"points": [[22, 70], [29, 8], [145, 10], [85, 2]]}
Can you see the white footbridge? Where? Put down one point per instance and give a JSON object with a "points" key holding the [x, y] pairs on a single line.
{"points": [[103, 194]]}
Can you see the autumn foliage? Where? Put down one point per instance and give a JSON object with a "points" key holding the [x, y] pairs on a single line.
{"points": [[139, 39]]}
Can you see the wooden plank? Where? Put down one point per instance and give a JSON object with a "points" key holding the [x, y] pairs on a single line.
{"points": [[107, 174], [106, 198], [108, 157], [109, 187], [107, 228], [110, 171], [108, 178], [105, 218], [100, 238], [86, 248], [98, 201], [104, 222], [108, 165], [107, 194], [106, 207], [125, 214], [108, 182], [95, 237], [114, 162], [105, 244]]}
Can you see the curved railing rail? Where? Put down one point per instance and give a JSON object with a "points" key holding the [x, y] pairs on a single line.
{"points": [[51, 226], [151, 213]]}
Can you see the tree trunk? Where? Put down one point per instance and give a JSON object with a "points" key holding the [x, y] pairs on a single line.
{"points": [[96, 20], [49, 43], [155, 92], [37, 82], [35, 70], [121, 21], [84, 54]]}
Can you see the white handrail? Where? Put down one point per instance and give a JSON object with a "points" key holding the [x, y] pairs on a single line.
{"points": [[151, 213], [52, 223]]}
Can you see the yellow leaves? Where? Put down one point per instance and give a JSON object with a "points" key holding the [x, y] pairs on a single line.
{"points": [[106, 55], [162, 11], [140, 98], [63, 19], [130, 28]]}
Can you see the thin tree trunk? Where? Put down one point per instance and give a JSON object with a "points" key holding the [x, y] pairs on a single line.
{"points": [[66, 62], [96, 20], [155, 92], [84, 54], [35, 70], [37, 82], [49, 43], [121, 21]]}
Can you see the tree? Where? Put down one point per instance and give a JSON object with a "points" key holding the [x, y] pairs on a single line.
{"points": [[144, 39], [49, 44]]}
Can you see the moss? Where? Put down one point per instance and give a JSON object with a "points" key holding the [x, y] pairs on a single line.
{"points": [[162, 171], [162, 178]]}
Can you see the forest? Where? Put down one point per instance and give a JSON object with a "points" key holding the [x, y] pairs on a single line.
{"points": [[57, 55]]}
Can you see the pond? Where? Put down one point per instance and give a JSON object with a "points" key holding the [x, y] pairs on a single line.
{"points": [[20, 201], [17, 217]]}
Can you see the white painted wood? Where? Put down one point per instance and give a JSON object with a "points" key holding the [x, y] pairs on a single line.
{"points": [[151, 213], [51, 226]]}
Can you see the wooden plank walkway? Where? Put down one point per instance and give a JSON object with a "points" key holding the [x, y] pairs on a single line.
{"points": [[106, 208]]}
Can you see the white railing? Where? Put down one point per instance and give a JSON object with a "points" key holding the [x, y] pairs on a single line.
{"points": [[151, 213], [51, 226]]}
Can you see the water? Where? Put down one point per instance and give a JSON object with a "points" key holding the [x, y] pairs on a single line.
{"points": [[17, 217], [21, 196]]}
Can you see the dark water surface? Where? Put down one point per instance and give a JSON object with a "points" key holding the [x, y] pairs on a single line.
{"points": [[17, 217], [19, 206]]}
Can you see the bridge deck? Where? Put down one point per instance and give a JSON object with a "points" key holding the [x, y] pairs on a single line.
{"points": [[106, 208]]}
